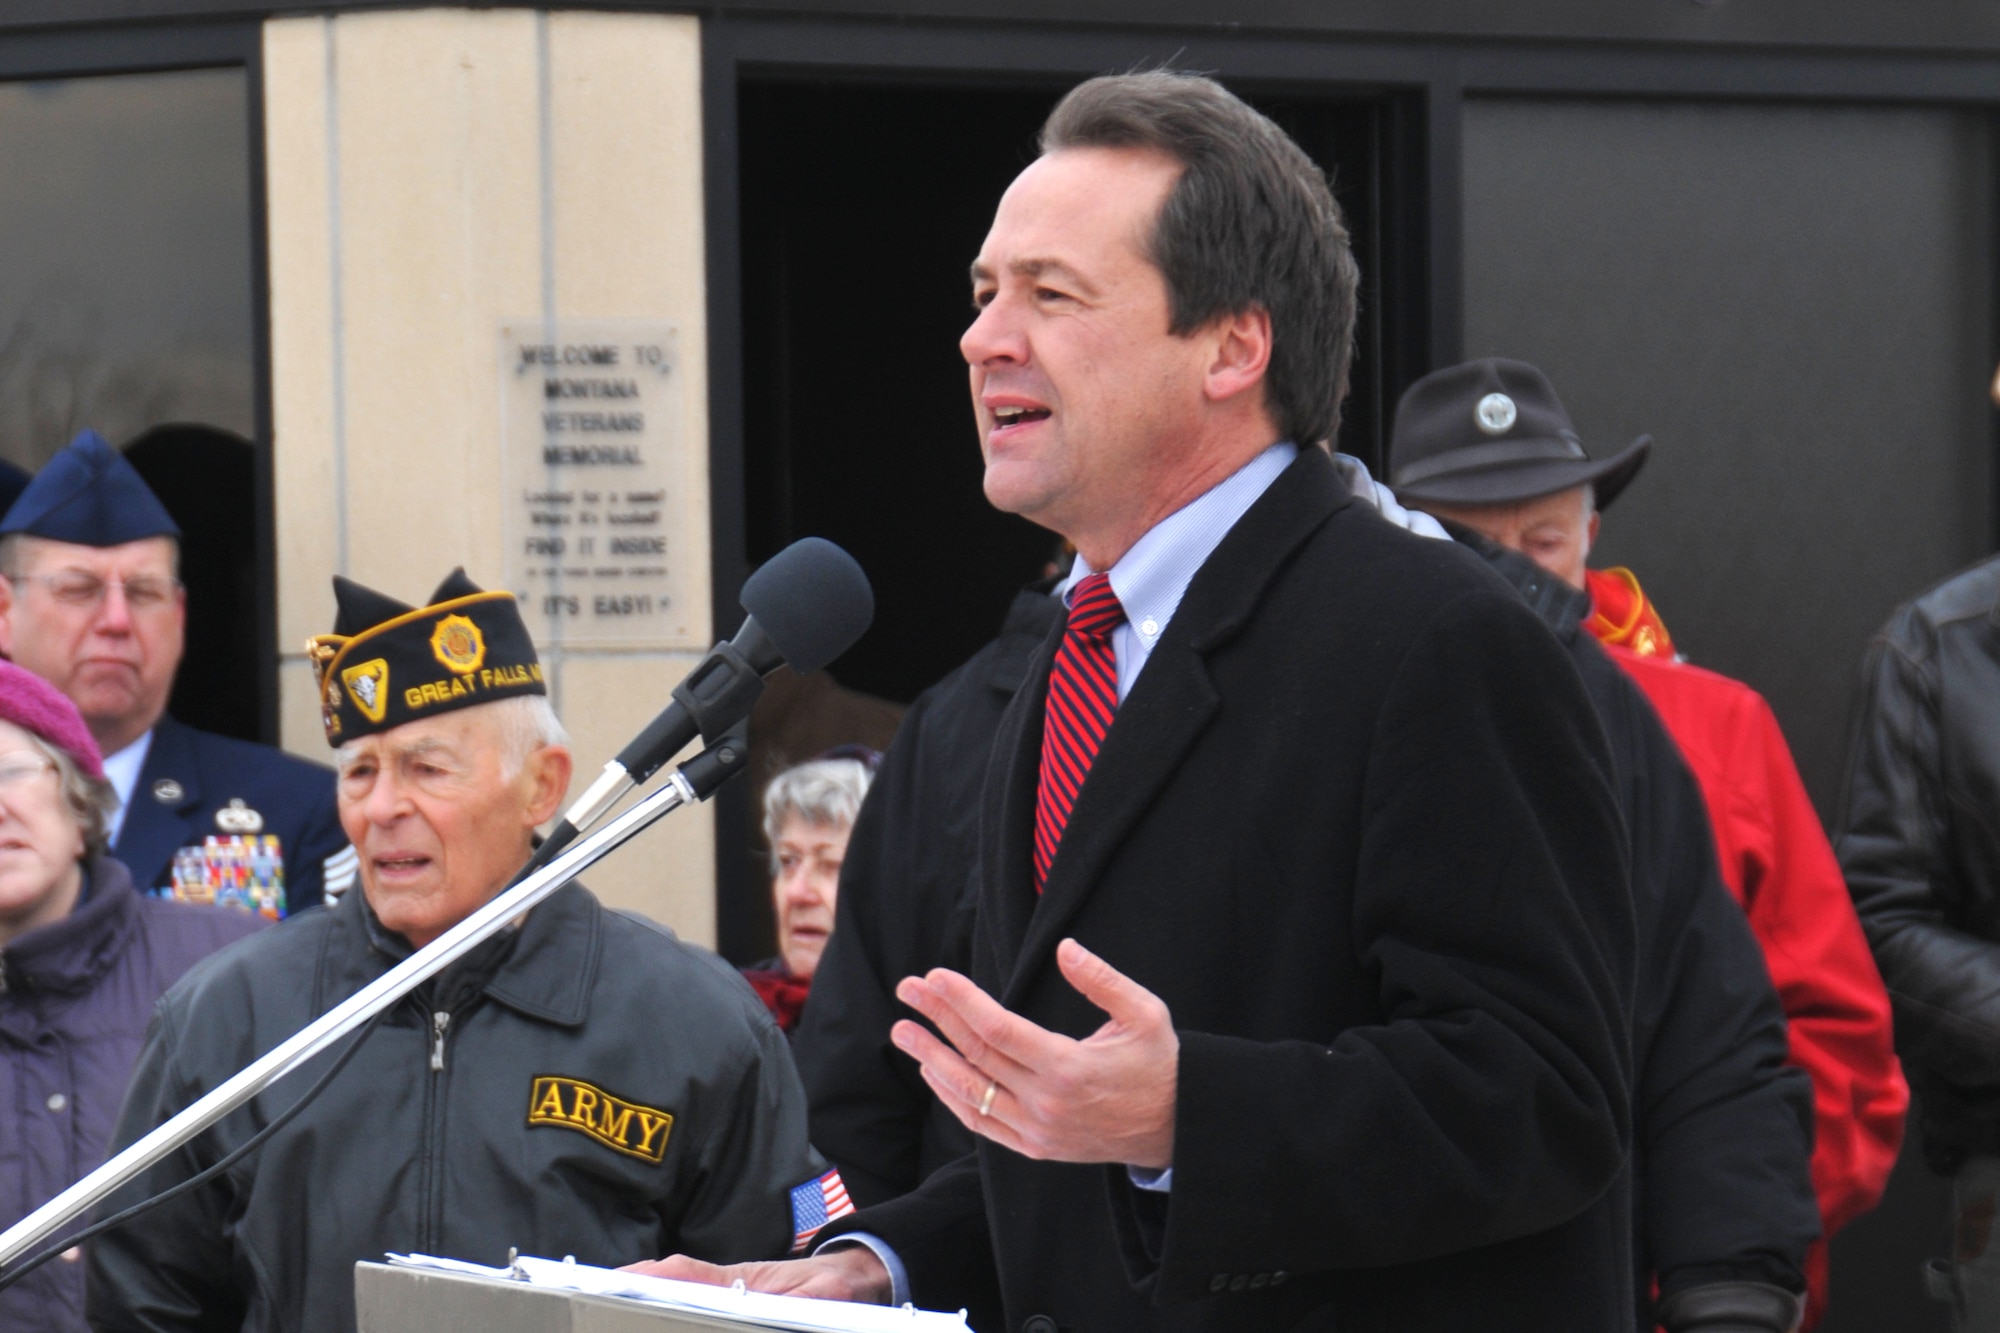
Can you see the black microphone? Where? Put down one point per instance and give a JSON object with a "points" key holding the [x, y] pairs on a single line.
{"points": [[807, 605]]}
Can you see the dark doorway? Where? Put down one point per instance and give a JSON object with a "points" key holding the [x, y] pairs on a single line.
{"points": [[860, 208], [207, 479], [1368, 150]]}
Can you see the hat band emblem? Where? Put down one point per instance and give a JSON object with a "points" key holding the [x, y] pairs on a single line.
{"points": [[1495, 414], [1498, 454]]}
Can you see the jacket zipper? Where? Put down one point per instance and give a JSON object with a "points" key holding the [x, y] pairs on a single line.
{"points": [[434, 1136]]}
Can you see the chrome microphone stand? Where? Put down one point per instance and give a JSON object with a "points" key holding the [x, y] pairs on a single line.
{"points": [[692, 782]]}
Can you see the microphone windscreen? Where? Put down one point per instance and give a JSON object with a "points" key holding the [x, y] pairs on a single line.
{"points": [[812, 600]]}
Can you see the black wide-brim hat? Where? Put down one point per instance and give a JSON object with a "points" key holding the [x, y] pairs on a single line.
{"points": [[1494, 432]]}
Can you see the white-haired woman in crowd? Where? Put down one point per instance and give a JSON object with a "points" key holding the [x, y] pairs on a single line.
{"points": [[808, 812], [82, 959]]}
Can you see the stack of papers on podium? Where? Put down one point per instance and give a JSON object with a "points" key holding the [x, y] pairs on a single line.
{"points": [[752, 1309]]}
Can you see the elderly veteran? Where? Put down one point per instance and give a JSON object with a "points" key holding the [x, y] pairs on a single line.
{"points": [[583, 1084], [91, 601], [82, 959]]}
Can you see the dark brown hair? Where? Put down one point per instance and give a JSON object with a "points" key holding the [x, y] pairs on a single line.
{"points": [[1250, 223]]}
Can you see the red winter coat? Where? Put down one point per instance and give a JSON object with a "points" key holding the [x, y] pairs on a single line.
{"points": [[1778, 864]]}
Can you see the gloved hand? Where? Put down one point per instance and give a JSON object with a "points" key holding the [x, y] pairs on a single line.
{"points": [[1732, 1307]]}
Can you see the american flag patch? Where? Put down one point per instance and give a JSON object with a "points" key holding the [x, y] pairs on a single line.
{"points": [[816, 1203]]}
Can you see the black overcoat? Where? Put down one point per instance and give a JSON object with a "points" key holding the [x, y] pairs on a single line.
{"points": [[1354, 824], [1721, 1161], [906, 906]]}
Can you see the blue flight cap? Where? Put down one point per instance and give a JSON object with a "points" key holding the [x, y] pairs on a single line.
{"points": [[90, 496]]}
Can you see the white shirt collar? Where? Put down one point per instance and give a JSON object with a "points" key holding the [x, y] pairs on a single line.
{"points": [[122, 770], [1152, 577], [1372, 492]]}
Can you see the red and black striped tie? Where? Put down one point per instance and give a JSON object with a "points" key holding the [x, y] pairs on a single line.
{"points": [[1083, 696]]}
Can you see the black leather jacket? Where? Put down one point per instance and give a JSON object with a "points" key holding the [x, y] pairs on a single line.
{"points": [[1918, 836]]}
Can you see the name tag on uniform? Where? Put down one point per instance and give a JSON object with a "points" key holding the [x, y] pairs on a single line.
{"points": [[627, 1127]]}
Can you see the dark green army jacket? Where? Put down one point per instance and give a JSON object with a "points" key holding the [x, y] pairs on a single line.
{"points": [[583, 1085]]}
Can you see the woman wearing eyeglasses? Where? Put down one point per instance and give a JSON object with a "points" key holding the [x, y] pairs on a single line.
{"points": [[82, 959]]}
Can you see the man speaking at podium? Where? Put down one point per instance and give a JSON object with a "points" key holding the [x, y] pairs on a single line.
{"points": [[1304, 947], [581, 1083]]}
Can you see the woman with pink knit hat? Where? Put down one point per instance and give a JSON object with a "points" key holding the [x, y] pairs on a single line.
{"points": [[82, 959]]}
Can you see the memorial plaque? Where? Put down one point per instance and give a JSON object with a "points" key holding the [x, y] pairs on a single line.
{"points": [[598, 501]]}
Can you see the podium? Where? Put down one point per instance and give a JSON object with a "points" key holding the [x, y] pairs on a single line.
{"points": [[414, 1300]]}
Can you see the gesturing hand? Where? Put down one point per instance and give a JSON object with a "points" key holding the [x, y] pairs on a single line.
{"points": [[1107, 1098]]}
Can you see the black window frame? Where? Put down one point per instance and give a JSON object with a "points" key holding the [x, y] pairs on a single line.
{"points": [[164, 48]]}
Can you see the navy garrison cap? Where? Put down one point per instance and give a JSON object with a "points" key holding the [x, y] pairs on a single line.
{"points": [[89, 495]]}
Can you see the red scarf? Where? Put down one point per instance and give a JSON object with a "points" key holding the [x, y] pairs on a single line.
{"points": [[1621, 614], [782, 993]]}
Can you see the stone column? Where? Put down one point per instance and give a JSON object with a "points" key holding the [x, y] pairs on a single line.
{"points": [[434, 174]]}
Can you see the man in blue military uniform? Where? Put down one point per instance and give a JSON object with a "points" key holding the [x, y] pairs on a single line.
{"points": [[91, 602]]}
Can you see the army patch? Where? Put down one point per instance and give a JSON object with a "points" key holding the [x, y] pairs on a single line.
{"points": [[627, 1127], [458, 644], [368, 684]]}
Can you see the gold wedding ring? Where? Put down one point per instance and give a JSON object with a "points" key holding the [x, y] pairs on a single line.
{"points": [[986, 1102]]}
